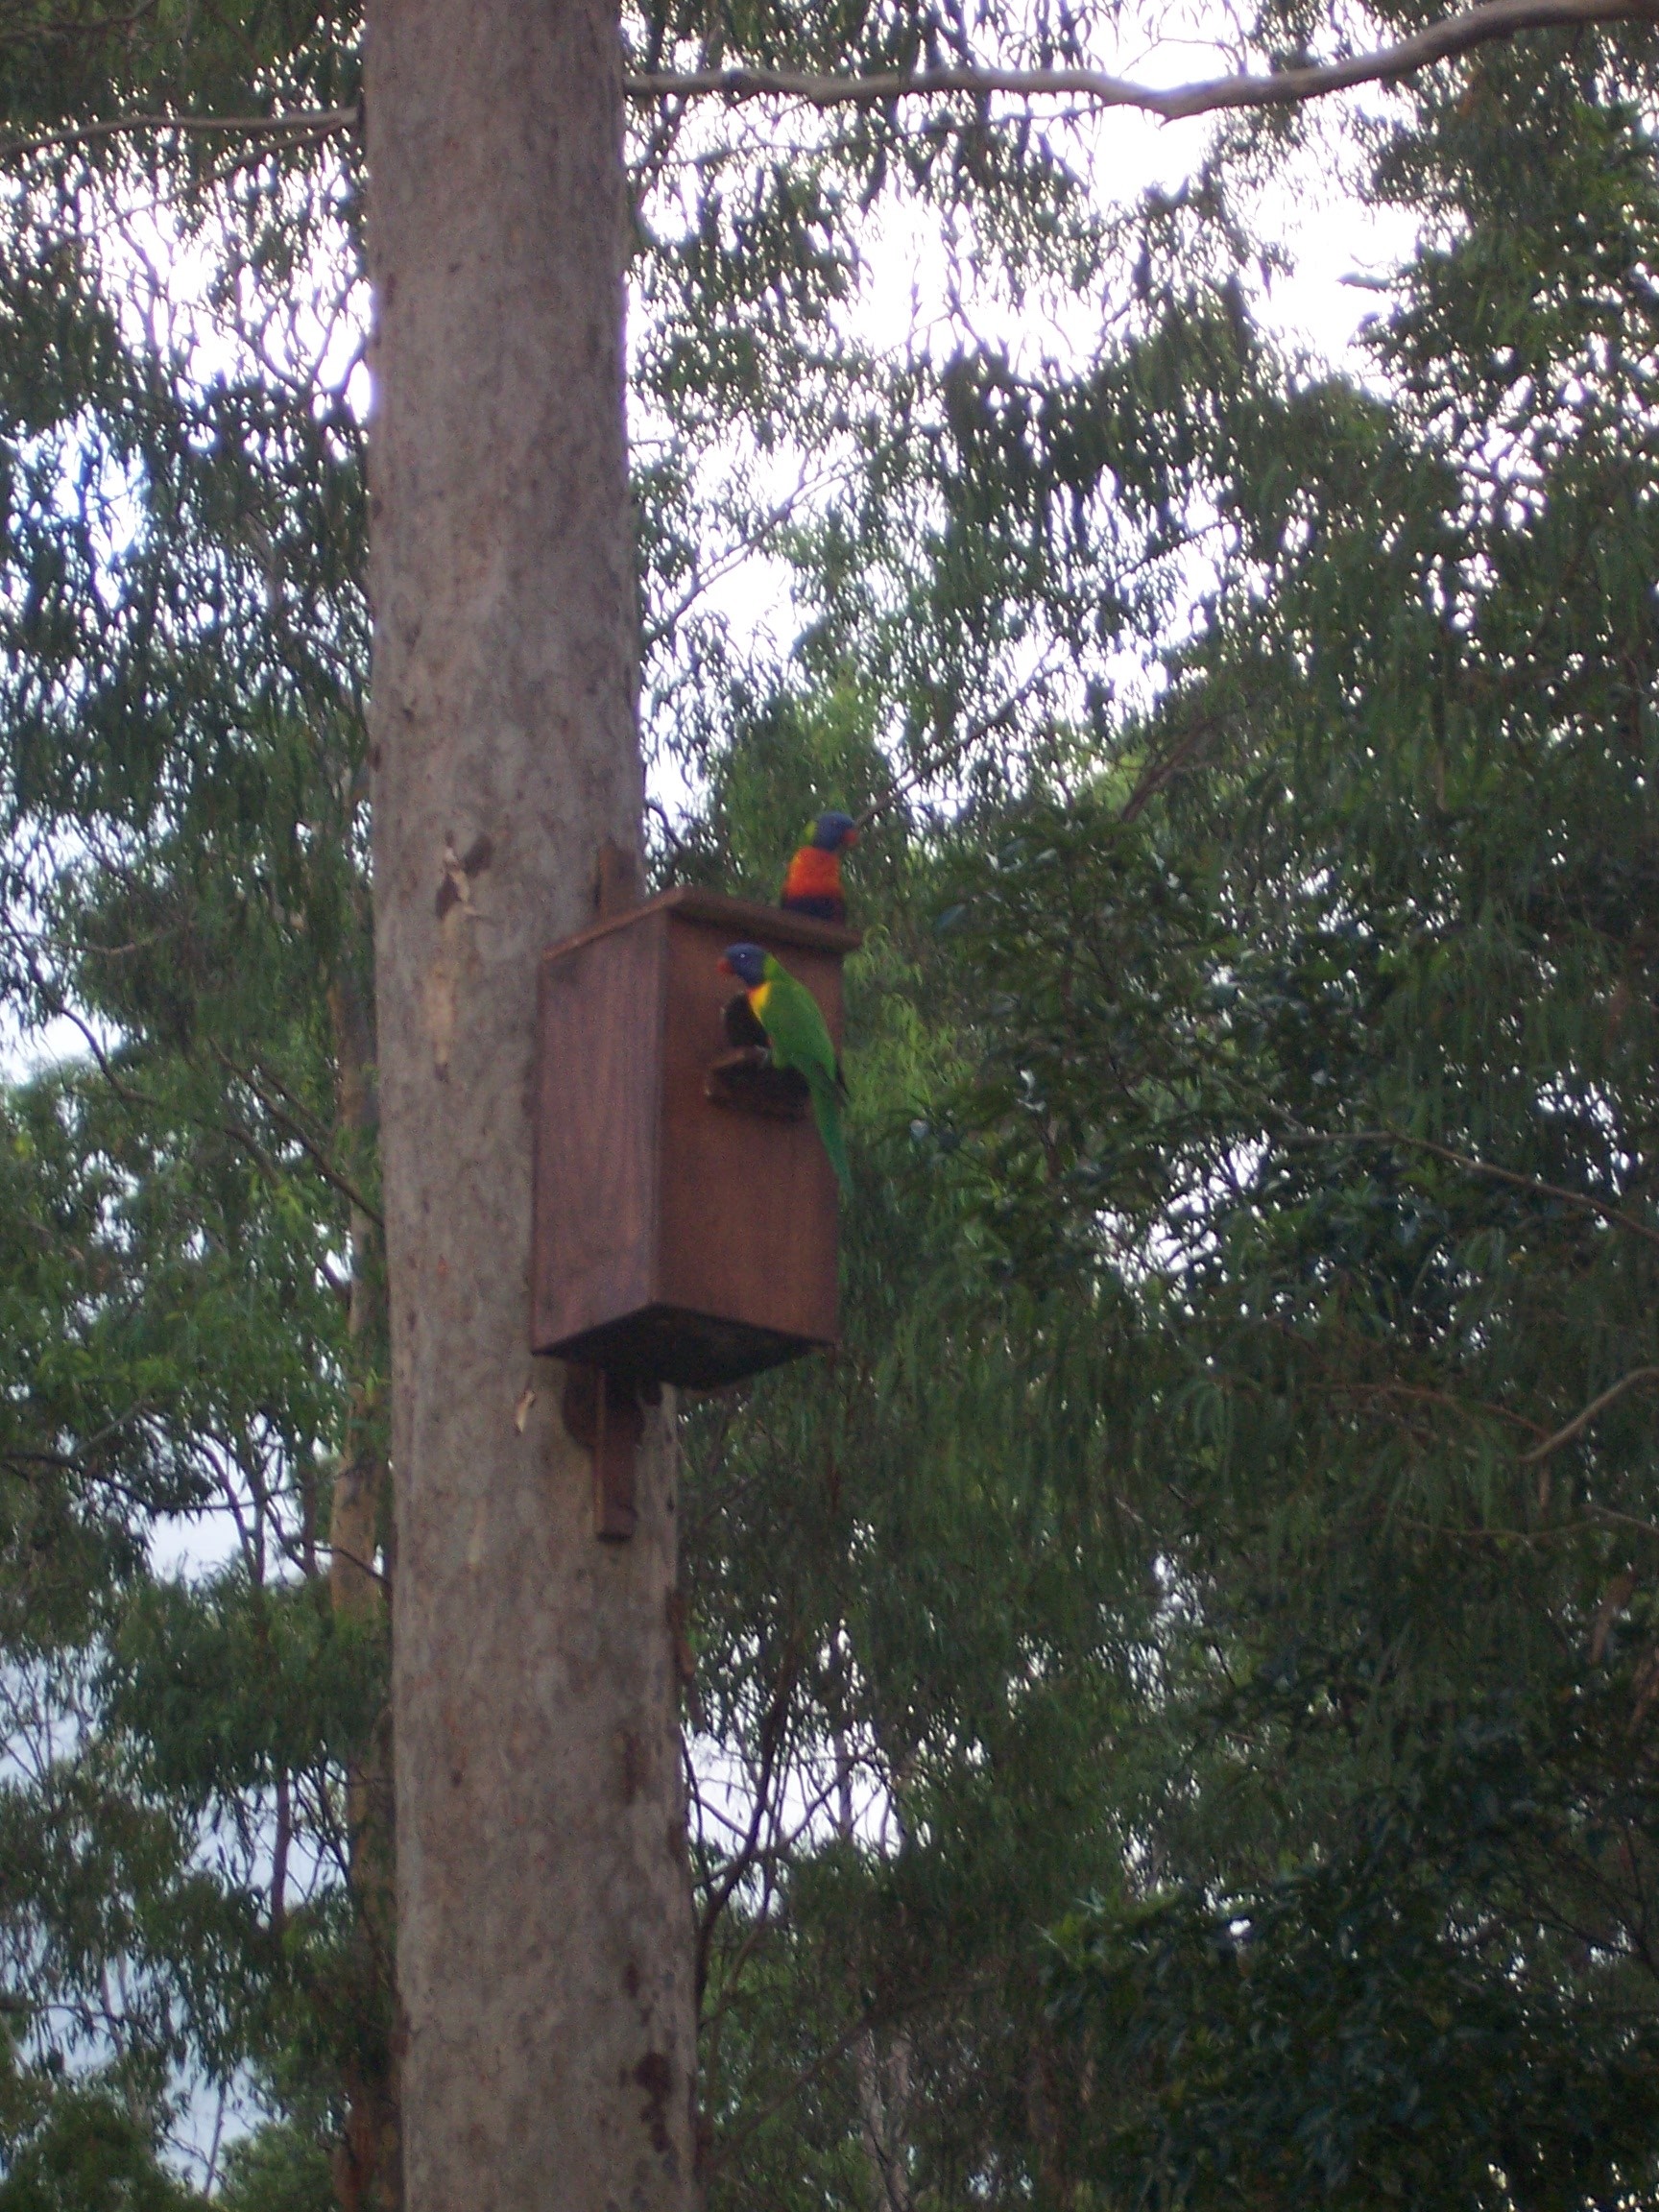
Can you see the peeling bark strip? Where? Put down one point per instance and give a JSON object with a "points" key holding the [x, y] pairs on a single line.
{"points": [[543, 1918]]}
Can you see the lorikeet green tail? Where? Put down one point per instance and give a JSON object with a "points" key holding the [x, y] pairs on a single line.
{"points": [[798, 1038]]}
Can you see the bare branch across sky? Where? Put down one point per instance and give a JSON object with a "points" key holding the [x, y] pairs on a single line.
{"points": [[1458, 33], [1280, 87]]}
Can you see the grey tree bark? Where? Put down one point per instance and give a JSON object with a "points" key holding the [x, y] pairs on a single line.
{"points": [[544, 1917]]}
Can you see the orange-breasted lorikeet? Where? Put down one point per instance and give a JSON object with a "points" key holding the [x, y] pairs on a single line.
{"points": [[798, 1038], [813, 883]]}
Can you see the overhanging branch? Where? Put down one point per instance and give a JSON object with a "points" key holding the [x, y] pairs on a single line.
{"points": [[1277, 89], [298, 123]]}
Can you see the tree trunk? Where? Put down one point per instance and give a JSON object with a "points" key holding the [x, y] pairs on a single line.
{"points": [[884, 2081], [544, 1916], [367, 2163]]}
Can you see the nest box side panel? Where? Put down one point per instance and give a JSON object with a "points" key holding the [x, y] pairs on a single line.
{"points": [[598, 1073], [748, 1223]]}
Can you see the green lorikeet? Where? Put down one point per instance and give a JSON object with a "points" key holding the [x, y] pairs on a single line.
{"points": [[798, 1038]]}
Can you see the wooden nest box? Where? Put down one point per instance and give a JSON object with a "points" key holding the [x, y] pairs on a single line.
{"points": [[686, 1210]]}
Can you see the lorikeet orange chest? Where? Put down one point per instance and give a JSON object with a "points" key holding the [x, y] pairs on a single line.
{"points": [[813, 885]]}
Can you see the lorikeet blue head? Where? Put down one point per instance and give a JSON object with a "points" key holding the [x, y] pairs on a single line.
{"points": [[747, 962], [834, 833]]}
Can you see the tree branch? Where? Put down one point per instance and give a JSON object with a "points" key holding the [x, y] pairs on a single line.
{"points": [[1443, 41], [304, 122], [1277, 89], [315, 1151]]}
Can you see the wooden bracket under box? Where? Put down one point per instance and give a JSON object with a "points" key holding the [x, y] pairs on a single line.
{"points": [[678, 1239]]}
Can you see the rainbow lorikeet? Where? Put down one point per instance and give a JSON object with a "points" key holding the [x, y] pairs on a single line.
{"points": [[798, 1038], [813, 883]]}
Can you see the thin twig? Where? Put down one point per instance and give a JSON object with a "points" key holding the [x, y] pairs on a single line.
{"points": [[1606, 1514], [956, 747], [773, 1728], [363, 1566], [1276, 89], [1471, 1409], [1612, 1215], [1162, 771], [703, 579], [309, 1144], [1582, 1421]]}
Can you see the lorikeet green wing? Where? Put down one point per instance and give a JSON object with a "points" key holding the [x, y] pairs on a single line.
{"points": [[799, 1038]]}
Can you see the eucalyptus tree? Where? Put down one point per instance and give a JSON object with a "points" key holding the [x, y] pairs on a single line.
{"points": [[1272, 1247], [1334, 1055]]}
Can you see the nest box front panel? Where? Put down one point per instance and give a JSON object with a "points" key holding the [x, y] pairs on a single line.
{"points": [[600, 1079], [686, 1214], [748, 1209]]}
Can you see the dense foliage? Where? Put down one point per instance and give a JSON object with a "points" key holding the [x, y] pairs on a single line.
{"points": [[1173, 1700]]}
